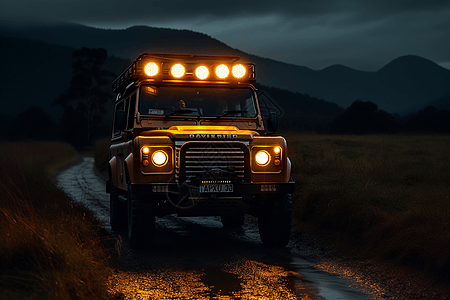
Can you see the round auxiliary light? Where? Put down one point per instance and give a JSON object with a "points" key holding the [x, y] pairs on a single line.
{"points": [[151, 69], [177, 70], [202, 72], [262, 158], [222, 71], [145, 150], [238, 71], [159, 158]]}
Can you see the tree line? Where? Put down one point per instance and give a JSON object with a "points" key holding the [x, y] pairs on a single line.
{"points": [[365, 118]]}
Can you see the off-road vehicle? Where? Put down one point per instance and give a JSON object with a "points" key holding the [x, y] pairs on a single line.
{"points": [[189, 139]]}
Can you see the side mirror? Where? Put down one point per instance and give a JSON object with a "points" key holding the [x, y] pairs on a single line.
{"points": [[272, 122], [121, 119]]}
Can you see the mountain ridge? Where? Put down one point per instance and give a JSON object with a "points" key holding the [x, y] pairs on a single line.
{"points": [[405, 84]]}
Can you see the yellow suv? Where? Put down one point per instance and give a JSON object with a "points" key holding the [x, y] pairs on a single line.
{"points": [[188, 138]]}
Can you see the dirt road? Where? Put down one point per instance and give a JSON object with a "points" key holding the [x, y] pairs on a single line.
{"points": [[195, 258]]}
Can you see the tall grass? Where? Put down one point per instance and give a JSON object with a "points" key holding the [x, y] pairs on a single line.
{"points": [[49, 246], [380, 195]]}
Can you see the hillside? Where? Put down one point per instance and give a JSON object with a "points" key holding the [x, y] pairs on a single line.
{"points": [[406, 84], [46, 73]]}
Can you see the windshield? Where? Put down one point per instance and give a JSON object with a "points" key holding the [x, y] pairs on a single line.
{"points": [[196, 101]]}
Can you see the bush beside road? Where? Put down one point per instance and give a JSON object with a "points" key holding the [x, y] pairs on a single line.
{"points": [[50, 247]]}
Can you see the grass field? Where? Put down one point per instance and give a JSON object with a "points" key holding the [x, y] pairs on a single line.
{"points": [[49, 246], [385, 196]]}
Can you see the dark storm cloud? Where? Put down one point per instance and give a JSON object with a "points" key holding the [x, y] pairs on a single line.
{"points": [[160, 10]]}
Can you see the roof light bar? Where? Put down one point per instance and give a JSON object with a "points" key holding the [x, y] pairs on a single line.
{"points": [[181, 68], [177, 70], [222, 71], [238, 71], [202, 72], [151, 69]]}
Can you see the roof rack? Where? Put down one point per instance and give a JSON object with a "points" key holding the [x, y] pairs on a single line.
{"points": [[136, 72]]}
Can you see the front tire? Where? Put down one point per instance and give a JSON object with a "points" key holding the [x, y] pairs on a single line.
{"points": [[275, 221], [232, 222], [117, 210], [141, 221]]}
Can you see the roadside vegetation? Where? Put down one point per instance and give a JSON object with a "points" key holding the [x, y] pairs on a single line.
{"points": [[386, 196], [50, 247]]}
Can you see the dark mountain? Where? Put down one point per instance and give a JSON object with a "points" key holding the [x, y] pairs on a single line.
{"points": [[411, 77], [35, 73], [39, 72], [406, 84]]}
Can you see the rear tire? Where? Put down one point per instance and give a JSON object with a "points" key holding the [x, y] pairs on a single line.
{"points": [[117, 210], [141, 221], [275, 221]]}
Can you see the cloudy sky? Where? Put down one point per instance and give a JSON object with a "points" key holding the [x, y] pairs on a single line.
{"points": [[362, 34]]}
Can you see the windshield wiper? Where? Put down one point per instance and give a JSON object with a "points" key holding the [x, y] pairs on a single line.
{"points": [[181, 111], [229, 112]]}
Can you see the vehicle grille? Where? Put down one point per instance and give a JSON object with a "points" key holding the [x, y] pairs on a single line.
{"points": [[217, 159]]}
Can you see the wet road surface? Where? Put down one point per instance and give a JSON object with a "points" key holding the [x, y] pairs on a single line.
{"points": [[195, 258]]}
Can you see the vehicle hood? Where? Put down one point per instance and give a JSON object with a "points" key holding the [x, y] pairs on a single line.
{"points": [[203, 133]]}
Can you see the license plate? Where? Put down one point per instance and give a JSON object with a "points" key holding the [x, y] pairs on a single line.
{"points": [[216, 188]]}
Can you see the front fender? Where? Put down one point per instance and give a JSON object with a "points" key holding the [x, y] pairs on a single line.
{"points": [[287, 174], [129, 168], [112, 171]]}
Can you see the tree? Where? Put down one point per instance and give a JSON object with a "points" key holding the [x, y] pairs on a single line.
{"points": [[429, 120], [84, 100], [364, 117]]}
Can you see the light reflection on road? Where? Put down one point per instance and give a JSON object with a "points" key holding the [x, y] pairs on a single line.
{"points": [[245, 279]]}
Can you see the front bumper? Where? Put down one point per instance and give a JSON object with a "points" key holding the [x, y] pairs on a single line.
{"points": [[239, 189]]}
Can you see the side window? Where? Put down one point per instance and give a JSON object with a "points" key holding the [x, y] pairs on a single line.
{"points": [[119, 107], [131, 112]]}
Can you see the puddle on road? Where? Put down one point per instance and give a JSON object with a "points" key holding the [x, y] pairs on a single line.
{"points": [[245, 279]]}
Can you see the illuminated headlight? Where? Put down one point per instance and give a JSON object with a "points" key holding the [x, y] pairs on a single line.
{"points": [[202, 72], [238, 71], [151, 69], [262, 158], [177, 70], [159, 158], [222, 71]]}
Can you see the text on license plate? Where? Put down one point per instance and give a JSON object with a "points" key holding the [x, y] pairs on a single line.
{"points": [[216, 188]]}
